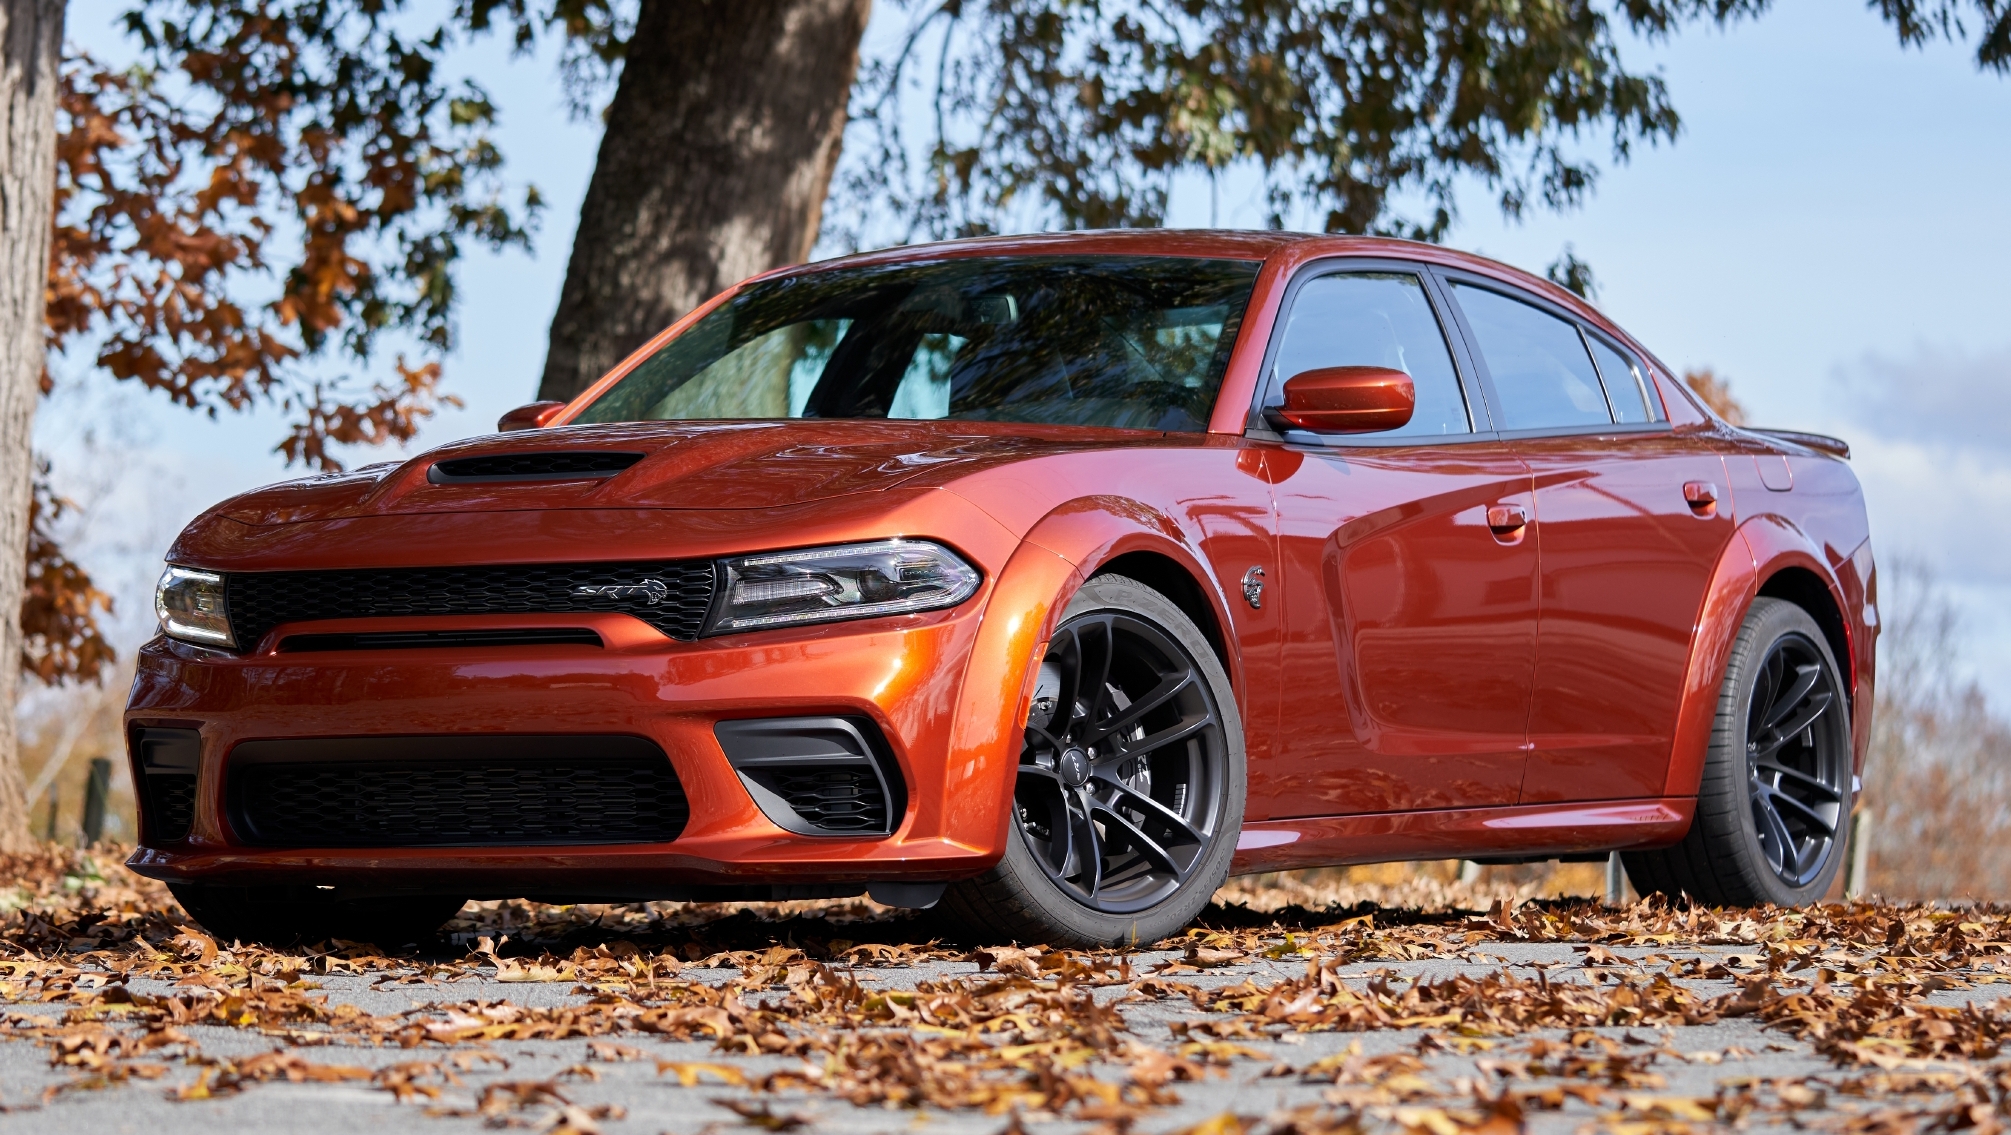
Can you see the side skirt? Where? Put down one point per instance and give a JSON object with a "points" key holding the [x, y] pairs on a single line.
{"points": [[1535, 831]]}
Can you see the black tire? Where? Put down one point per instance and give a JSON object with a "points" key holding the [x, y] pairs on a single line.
{"points": [[1774, 805], [1158, 807], [284, 916]]}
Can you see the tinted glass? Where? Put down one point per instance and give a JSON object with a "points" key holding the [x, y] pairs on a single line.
{"points": [[1624, 388], [1538, 363], [1379, 319], [1133, 342]]}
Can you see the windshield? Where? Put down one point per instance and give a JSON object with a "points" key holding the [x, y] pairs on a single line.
{"points": [[1131, 342]]}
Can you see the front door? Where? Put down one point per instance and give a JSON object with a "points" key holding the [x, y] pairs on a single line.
{"points": [[1634, 518], [1409, 564]]}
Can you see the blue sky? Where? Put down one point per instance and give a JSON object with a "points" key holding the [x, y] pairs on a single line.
{"points": [[1829, 232]]}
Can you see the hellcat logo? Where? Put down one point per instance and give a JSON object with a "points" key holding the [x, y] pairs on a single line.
{"points": [[649, 592]]}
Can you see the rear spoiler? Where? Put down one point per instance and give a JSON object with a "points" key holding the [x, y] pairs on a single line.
{"points": [[1823, 442]]}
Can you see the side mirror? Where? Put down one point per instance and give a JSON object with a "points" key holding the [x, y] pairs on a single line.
{"points": [[1348, 400], [530, 417]]}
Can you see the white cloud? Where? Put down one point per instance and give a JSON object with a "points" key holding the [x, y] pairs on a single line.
{"points": [[1931, 441]]}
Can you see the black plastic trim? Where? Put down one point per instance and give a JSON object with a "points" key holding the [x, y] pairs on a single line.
{"points": [[761, 750], [420, 640], [169, 762], [532, 466]]}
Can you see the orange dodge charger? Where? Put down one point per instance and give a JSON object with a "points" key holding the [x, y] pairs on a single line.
{"points": [[1044, 581]]}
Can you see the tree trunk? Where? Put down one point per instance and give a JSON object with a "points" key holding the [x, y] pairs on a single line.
{"points": [[31, 45], [720, 145]]}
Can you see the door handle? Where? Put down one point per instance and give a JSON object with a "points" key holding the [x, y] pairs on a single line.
{"points": [[1702, 497], [1507, 520]]}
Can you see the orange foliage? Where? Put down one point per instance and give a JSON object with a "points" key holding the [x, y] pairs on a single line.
{"points": [[60, 637], [1717, 394], [274, 184]]}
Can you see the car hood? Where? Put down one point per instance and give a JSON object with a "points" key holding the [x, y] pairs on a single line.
{"points": [[677, 465]]}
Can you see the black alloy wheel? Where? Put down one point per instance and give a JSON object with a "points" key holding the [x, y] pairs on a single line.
{"points": [[1773, 804], [1127, 799], [1798, 773], [1117, 792]]}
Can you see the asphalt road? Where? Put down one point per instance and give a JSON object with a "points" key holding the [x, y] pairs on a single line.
{"points": [[1691, 1062]]}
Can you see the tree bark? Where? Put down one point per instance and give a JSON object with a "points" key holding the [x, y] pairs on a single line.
{"points": [[720, 145], [31, 45]]}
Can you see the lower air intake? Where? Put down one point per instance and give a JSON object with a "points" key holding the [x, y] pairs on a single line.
{"points": [[168, 762], [817, 775], [459, 791]]}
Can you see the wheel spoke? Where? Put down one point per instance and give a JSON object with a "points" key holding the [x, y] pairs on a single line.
{"points": [[1039, 739], [1139, 801], [1782, 852], [1811, 783], [1134, 713], [1163, 738], [1096, 674], [1809, 815], [1086, 843], [1140, 842], [1811, 709], [1067, 658], [1805, 680]]}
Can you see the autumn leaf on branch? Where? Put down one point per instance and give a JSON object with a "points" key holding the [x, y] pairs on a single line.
{"points": [[251, 206], [306, 146], [60, 637]]}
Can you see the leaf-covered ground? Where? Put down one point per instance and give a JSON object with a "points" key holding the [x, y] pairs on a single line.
{"points": [[1306, 1019]]}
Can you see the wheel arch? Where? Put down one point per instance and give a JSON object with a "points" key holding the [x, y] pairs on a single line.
{"points": [[1805, 589], [1059, 553], [1164, 574], [1124, 536], [1768, 556]]}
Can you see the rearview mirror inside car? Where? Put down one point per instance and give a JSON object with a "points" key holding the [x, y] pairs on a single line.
{"points": [[1347, 400], [529, 417]]}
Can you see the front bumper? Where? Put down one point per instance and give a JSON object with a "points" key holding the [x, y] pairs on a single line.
{"points": [[940, 688]]}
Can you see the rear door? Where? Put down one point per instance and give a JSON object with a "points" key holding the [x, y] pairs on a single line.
{"points": [[1633, 518], [1409, 624]]}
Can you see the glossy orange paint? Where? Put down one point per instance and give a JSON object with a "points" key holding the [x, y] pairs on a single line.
{"points": [[1488, 648]]}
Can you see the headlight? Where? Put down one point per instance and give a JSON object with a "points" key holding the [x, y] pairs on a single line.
{"points": [[191, 606], [851, 581]]}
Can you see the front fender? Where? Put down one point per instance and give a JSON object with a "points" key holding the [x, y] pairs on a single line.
{"points": [[1058, 554]]}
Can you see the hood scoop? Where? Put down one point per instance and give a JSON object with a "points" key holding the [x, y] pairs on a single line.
{"points": [[557, 466]]}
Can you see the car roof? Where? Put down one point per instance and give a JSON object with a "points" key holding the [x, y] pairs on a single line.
{"points": [[1258, 244]]}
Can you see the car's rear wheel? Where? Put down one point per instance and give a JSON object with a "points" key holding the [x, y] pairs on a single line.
{"points": [[283, 916], [1774, 803], [1129, 792]]}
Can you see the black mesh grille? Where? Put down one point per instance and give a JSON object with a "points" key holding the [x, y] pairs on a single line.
{"points": [[834, 800], [173, 800], [375, 792], [530, 467], [260, 601]]}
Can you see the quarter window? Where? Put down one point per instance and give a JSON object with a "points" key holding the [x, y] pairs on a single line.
{"points": [[1538, 363], [1624, 386], [1378, 319]]}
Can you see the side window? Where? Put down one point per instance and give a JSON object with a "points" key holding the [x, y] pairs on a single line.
{"points": [[1625, 388], [1376, 319], [1538, 363]]}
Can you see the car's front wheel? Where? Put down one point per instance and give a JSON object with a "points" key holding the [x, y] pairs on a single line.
{"points": [[1773, 808], [282, 916], [1129, 793]]}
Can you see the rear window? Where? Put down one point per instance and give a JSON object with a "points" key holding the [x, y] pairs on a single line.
{"points": [[1129, 342]]}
